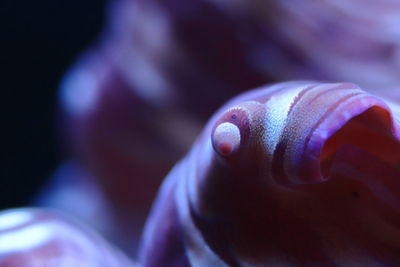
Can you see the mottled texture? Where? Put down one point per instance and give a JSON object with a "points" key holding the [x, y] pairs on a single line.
{"points": [[312, 181], [33, 238]]}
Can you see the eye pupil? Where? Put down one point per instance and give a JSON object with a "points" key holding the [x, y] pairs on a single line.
{"points": [[234, 117]]}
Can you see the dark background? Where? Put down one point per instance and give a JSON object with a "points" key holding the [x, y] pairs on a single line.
{"points": [[39, 40]]}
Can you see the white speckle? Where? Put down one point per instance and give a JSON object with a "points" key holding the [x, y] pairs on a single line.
{"points": [[278, 108], [14, 218]]}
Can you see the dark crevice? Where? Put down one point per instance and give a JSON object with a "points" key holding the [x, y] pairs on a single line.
{"points": [[371, 132]]}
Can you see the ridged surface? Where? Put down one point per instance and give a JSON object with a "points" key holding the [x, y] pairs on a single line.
{"points": [[313, 181]]}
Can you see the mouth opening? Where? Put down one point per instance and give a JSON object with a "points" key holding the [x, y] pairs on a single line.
{"points": [[370, 132]]}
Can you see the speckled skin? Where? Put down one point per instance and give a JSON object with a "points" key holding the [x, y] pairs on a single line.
{"points": [[312, 182], [34, 237]]}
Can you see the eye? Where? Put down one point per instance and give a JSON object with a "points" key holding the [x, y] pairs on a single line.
{"points": [[231, 131], [226, 138]]}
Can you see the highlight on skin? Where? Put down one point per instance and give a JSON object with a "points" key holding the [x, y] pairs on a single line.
{"points": [[37, 237], [297, 173]]}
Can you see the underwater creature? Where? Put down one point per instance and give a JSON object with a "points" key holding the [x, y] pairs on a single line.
{"points": [[135, 100], [296, 173]]}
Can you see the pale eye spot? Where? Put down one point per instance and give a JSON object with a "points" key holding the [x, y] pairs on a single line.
{"points": [[226, 138]]}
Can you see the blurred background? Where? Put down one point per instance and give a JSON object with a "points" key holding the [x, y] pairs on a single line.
{"points": [[39, 41]]}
